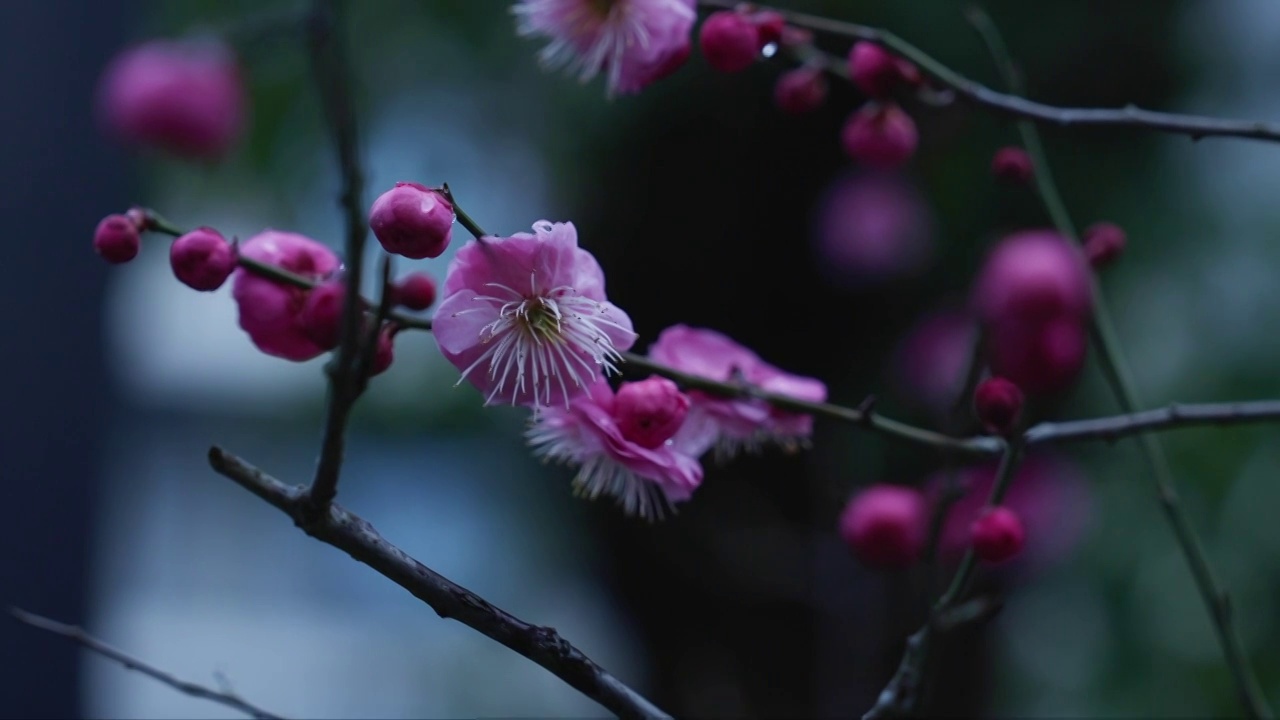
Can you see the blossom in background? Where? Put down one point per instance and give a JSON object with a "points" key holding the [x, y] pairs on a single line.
{"points": [[1048, 493], [870, 228], [270, 310], [644, 465], [929, 364], [526, 320], [733, 424], [182, 96], [635, 42]]}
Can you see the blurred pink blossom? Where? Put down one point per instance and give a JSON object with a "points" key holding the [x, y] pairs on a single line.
{"points": [[271, 311], [870, 228]]}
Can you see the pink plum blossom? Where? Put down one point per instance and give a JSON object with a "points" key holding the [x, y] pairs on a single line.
{"points": [[185, 97], [733, 424], [271, 311], [636, 42], [590, 433], [930, 362], [526, 320], [871, 228]]}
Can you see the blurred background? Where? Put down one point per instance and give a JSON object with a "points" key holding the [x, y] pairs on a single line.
{"points": [[705, 205]]}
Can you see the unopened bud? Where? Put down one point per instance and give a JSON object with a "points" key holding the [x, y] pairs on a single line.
{"points": [[998, 404], [730, 41], [321, 314], [801, 90], [116, 239], [202, 259], [650, 411], [1103, 243], [880, 136], [412, 220], [416, 291], [885, 525], [998, 535], [1012, 165]]}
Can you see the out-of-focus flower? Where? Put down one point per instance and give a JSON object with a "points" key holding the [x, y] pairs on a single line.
{"points": [[1034, 296], [526, 320], [998, 535], [733, 424], [886, 525], [871, 228], [929, 364], [635, 42], [185, 97], [730, 41], [613, 453], [270, 310], [1048, 493]]}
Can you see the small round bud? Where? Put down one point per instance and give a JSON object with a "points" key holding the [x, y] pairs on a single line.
{"points": [[116, 239], [416, 291], [874, 70], [321, 316], [885, 525], [800, 91], [412, 220], [998, 404], [1033, 275], [730, 41], [202, 259], [1012, 165], [384, 353], [770, 26], [998, 535], [880, 135], [184, 97], [649, 412], [1103, 243]]}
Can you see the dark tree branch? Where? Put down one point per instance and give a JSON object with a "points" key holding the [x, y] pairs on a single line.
{"points": [[84, 639], [1168, 418], [332, 74], [1016, 106], [355, 536]]}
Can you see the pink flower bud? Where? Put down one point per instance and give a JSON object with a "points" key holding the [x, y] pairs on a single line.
{"points": [[1040, 357], [269, 309], [1034, 275], [116, 239], [801, 90], [384, 354], [650, 411], [729, 41], [1012, 165], [321, 314], [880, 135], [185, 97], [769, 25], [412, 220], [416, 291], [202, 259], [998, 535], [885, 525], [998, 405], [874, 70], [1103, 243]]}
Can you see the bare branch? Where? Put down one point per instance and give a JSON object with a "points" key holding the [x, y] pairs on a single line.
{"points": [[1172, 417], [355, 536], [84, 639], [1129, 116]]}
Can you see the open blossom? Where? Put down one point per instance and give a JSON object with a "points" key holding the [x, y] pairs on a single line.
{"points": [[526, 320], [614, 456], [272, 311], [636, 42], [732, 424]]}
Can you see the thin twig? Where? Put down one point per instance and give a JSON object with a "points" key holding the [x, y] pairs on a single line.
{"points": [[84, 639], [355, 536], [1174, 416], [1015, 105], [902, 694], [975, 446], [332, 74], [1119, 377]]}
